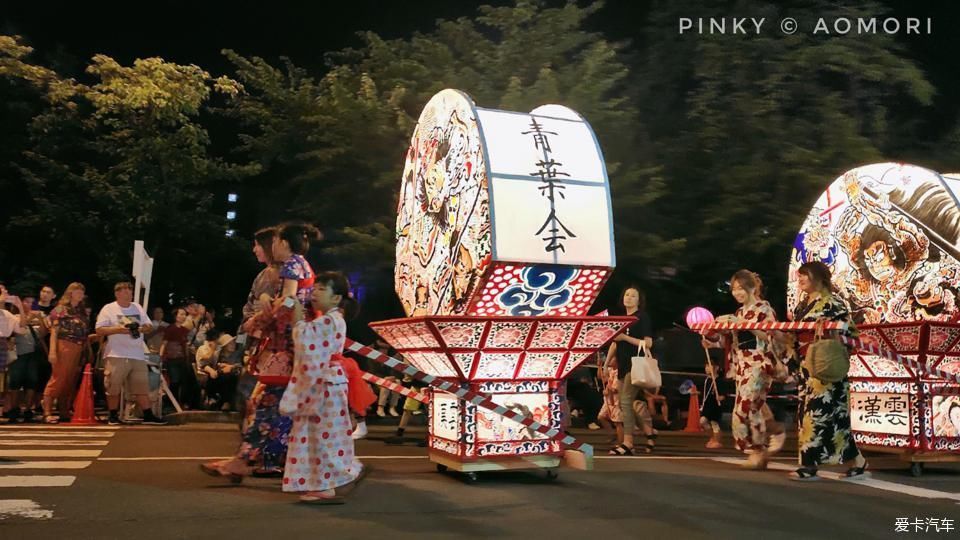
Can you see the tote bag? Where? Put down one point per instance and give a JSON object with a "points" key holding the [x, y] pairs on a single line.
{"points": [[644, 371], [826, 359]]}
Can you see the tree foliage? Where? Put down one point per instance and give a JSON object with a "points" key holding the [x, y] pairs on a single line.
{"points": [[121, 158]]}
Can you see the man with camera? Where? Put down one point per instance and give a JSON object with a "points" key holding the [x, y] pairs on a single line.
{"points": [[123, 323]]}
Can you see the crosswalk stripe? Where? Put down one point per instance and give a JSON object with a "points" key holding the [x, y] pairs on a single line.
{"points": [[103, 435], [36, 481], [59, 443], [32, 442], [19, 453], [23, 508], [45, 464], [865, 482]]}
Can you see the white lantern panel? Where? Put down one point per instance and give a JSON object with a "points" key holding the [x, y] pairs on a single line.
{"points": [[524, 221]]}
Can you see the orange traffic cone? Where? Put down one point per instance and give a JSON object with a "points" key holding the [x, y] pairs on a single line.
{"points": [[693, 413], [83, 405]]}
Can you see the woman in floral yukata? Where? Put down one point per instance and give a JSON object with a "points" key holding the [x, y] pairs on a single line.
{"points": [[264, 441], [755, 367], [321, 454], [825, 436]]}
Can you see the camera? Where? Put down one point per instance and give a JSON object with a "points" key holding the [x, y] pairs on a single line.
{"points": [[134, 329]]}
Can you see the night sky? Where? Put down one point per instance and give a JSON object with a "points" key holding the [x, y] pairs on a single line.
{"points": [[195, 32]]}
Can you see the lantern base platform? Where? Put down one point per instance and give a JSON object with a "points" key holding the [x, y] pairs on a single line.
{"points": [[913, 456], [914, 420], [445, 461]]}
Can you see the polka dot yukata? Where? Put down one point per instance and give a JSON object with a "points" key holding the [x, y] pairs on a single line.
{"points": [[320, 454]]}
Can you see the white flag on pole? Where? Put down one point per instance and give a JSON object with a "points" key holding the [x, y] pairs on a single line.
{"points": [[142, 273]]}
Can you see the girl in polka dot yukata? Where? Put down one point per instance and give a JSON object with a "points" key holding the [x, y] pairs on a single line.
{"points": [[320, 456]]}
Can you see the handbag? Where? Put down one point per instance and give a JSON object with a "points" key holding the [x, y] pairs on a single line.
{"points": [[779, 355], [827, 359], [271, 367], [644, 371]]}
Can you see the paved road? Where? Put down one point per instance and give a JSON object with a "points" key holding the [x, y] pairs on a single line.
{"points": [[143, 483]]}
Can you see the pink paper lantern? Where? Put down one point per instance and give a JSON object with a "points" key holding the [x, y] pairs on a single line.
{"points": [[699, 315]]}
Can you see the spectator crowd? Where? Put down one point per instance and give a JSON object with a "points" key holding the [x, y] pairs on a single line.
{"points": [[46, 339]]}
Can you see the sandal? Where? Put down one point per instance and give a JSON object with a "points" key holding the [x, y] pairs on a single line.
{"points": [[857, 473], [776, 442], [804, 474], [362, 474], [650, 446], [757, 461], [210, 468], [215, 469], [51, 420], [321, 499], [621, 450]]}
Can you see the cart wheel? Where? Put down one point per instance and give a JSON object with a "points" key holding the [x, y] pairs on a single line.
{"points": [[552, 474], [470, 477], [441, 468], [916, 469]]}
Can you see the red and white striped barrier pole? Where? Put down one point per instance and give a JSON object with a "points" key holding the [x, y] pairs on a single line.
{"points": [[396, 387], [853, 342], [477, 399], [768, 326]]}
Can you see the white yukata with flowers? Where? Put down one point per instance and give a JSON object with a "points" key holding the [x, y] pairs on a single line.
{"points": [[320, 454]]}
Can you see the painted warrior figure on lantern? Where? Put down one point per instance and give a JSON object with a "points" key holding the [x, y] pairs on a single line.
{"points": [[891, 233]]}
